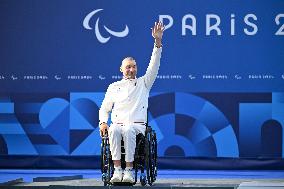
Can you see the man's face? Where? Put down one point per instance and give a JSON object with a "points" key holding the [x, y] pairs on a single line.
{"points": [[129, 69]]}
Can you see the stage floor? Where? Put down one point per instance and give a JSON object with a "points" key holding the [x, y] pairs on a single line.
{"points": [[233, 179]]}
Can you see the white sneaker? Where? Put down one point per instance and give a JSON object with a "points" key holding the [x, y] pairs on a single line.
{"points": [[117, 176], [128, 176]]}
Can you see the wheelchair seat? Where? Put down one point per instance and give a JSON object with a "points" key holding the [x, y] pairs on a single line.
{"points": [[145, 158]]}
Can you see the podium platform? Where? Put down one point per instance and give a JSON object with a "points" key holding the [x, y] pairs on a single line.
{"points": [[167, 179]]}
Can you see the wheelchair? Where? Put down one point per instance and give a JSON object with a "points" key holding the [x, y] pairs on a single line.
{"points": [[145, 159]]}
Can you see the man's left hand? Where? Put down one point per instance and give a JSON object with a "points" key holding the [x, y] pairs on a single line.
{"points": [[157, 32]]}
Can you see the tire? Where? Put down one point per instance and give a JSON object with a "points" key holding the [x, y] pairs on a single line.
{"points": [[106, 162], [154, 156], [148, 162]]}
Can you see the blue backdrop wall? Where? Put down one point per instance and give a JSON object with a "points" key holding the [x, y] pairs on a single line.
{"points": [[219, 93]]}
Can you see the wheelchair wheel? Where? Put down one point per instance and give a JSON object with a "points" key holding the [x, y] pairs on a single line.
{"points": [[151, 156], [153, 153], [106, 162], [148, 159]]}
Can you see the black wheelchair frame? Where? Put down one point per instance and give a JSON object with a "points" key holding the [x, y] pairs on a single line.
{"points": [[145, 158]]}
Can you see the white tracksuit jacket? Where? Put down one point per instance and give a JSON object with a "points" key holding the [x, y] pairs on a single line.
{"points": [[127, 100]]}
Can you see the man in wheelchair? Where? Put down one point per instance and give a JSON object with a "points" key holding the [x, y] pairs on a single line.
{"points": [[127, 100]]}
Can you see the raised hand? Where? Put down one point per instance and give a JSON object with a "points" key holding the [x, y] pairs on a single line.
{"points": [[157, 30], [157, 33]]}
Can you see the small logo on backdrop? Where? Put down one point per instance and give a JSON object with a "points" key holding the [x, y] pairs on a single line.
{"points": [[57, 77], [102, 39], [101, 77], [14, 77], [191, 77], [238, 77]]}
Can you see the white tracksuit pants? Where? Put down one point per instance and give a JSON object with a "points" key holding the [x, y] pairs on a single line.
{"points": [[128, 134]]}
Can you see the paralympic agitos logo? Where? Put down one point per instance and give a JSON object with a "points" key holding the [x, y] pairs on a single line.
{"points": [[102, 39]]}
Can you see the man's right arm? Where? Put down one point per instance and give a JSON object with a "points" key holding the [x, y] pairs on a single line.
{"points": [[152, 70], [105, 109]]}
